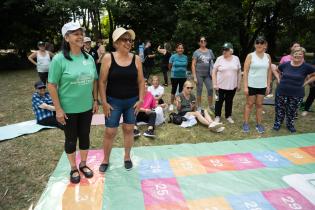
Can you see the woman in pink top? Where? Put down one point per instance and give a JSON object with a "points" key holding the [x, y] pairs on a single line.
{"points": [[226, 77], [146, 114], [287, 58]]}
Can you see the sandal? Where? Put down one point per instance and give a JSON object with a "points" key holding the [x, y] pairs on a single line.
{"points": [[74, 179], [103, 167], [87, 174]]}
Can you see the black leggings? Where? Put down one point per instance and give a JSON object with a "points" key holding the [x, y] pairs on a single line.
{"points": [[50, 121], [78, 126], [165, 70], [43, 76], [148, 118], [177, 82], [227, 97], [310, 99]]}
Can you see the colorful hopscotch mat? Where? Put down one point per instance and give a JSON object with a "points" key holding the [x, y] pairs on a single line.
{"points": [[260, 174]]}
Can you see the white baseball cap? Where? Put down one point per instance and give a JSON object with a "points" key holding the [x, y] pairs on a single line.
{"points": [[87, 39], [71, 26], [120, 31]]}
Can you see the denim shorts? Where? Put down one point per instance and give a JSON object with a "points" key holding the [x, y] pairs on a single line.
{"points": [[120, 107]]}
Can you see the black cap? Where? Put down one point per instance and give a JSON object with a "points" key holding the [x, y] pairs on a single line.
{"points": [[40, 43], [39, 85], [260, 39]]}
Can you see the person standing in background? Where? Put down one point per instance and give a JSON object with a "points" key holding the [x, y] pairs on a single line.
{"points": [[166, 54], [201, 66], [43, 59], [178, 65], [148, 63], [226, 78], [257, 77]]}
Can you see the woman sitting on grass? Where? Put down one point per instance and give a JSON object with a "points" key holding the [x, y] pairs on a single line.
{"points": [[157, 91], [186, 105]]}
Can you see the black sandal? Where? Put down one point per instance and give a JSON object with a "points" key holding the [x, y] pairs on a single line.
{"points": [[87, 174], [74, 179]]}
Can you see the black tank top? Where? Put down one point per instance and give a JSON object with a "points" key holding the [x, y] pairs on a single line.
{"points": [[122, 81]]}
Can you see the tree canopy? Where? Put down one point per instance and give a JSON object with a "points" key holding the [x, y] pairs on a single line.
{"points": [[282, 22]]}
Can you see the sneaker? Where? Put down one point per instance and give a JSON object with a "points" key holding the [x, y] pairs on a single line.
{"points": [[269, 96], [103, 167], [219, 130], [136, 133], [230, 120], [214, 126], [276, 127], [128, 164], [260, 128], [171, 108], [149, 133], [304, 113], [245, 128], [217, 119], [291, 129]]}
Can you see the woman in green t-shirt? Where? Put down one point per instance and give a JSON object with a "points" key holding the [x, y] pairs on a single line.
{"points": [[72, 83]]}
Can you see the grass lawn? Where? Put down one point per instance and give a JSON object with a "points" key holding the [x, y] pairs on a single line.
{"points": [[28, 161]]}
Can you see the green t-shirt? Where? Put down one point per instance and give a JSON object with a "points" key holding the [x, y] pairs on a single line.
{"points": [[74, 80]]}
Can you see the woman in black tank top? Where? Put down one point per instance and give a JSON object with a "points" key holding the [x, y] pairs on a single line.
{"points": [[121, 86]]}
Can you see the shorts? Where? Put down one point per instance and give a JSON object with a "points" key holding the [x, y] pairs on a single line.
{"points": [[120, 107], [256, 91]]}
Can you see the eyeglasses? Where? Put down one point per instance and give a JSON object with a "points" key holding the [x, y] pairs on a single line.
{"points": [[260, 42], [126, 40], [41, 88], [190, 88]]}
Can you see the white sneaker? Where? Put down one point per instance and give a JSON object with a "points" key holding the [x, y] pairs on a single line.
{"points": [[171, 108], [214, 126], [217, 119], [230, 120], [304, 113], [219, 130], [269, 96]]}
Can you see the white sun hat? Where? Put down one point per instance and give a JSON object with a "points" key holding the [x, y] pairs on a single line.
{"points": [[120, 31]]}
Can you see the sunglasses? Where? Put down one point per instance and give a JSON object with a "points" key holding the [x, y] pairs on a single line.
{"points": [[126, 40], [190, 88], [260, 42], [41, 88]]}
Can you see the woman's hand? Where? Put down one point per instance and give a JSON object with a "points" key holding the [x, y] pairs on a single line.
{"points": [[107, 108], [267, 90], [95, 107], [195, 79], [246, 91], [61, 116], [215, 87], [137, 106]]}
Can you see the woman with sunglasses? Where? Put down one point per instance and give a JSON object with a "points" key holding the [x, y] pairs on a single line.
{"points": [[72, 83], [290, 91], [178, 65], [201, 67], [121, 86], [257, 77], [186, 105], [226, 78]]}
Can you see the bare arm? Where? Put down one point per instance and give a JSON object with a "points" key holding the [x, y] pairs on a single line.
{"points": [[51, 54], [178, 103], [269, 76], [214, 78], [60, 115], [32, 57], [193, 68], [102, 82], [140, 78], [311, 78], [246, 70], [46, 106]]}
